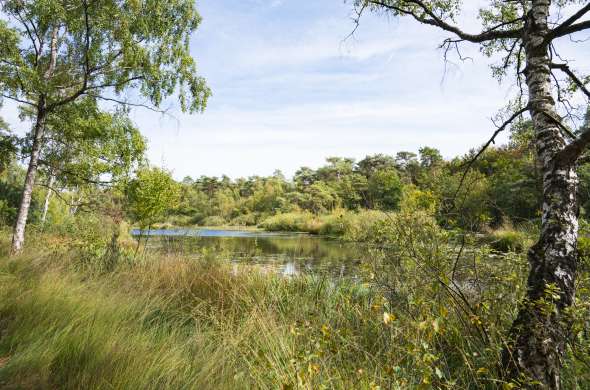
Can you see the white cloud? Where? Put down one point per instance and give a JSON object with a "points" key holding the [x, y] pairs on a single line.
{"points": [[288, 91]]}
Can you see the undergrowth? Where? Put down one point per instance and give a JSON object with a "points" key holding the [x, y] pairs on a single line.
{"points": [[431, 315]]}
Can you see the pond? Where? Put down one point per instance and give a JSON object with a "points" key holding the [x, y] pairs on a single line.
{"points": [[288, 254]]}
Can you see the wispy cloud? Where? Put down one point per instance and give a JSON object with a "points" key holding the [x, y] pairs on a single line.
{"points": [[290, 90]]}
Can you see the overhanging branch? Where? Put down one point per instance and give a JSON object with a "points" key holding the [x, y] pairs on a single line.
{"points": [[570, 154], [568, 26], [490, 141], [432, 19], [568, 71]]}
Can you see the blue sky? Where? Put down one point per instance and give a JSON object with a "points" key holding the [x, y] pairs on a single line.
{"points": [[290, 90]]}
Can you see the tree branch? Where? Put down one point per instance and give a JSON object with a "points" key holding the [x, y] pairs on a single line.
{"points": [[124, 103], [567, 70], [84, 86], [18, 100], [37, 49], [570, 154], [492, 140], [434, 20], [568, 26]]}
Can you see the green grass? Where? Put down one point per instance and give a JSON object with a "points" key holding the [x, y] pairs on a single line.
{"points": [[165, 322], [358, 226], [508, 239], [293, 222]]}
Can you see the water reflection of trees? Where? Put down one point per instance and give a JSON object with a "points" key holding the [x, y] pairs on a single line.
{"points": [[300, 253]]}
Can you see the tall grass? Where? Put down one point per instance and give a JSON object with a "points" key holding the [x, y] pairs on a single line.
{"points": [[303, 221], [346, 225], [165, 322]]}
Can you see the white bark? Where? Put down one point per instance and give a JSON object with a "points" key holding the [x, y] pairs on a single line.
{"points": [[50, 182], [539, 339], [18, 236]]}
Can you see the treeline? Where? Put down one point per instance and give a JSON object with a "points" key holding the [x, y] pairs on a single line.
{"points": [[501, 186]]}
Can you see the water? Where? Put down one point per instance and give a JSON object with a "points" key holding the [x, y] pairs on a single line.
{"points": [[288, 254]]}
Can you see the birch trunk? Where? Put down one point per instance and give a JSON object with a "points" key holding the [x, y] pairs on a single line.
{"points": [[50, 182], [540, 329], [18, 236]]}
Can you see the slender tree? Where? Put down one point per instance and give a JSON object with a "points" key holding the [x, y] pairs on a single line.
{"points": [[524, 34], [55, 52], [85, 146]]}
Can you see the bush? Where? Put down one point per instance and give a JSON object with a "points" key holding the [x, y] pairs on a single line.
{"points": [[361, 226], [213, 220], [293, 222], [249, 219], [508, 239]]}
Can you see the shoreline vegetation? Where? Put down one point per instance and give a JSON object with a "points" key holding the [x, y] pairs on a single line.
{"points": [[78, 314], [363, 227], [86, 306]]}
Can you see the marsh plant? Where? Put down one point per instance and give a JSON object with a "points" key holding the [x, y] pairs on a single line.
{"points": [[432, 313]]}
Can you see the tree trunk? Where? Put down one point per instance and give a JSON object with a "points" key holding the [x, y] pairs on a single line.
{"points": [[18, 236], [50, 182], [539, 333]]}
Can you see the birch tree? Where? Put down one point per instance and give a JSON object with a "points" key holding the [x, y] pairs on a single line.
{"points": [[85, 146], [55, 52], [524, 34]]}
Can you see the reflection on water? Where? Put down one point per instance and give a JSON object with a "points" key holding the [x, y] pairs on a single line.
{"points": [[288, 254]]}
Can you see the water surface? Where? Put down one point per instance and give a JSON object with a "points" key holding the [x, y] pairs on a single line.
{"points": [[286, 253]]}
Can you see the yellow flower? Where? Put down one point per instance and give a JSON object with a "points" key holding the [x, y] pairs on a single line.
{"points": [[388, 317]]}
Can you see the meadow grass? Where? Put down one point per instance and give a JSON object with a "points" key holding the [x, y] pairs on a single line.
{"points": [[164, 322]]}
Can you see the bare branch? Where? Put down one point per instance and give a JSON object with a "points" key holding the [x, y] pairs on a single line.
{"points": [[567, 70], [433, 20], [19, 100], [492, 140], [125, 103], [568, 26]]}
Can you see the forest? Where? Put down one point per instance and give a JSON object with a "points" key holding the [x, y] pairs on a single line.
{"points": [[397, 270]]}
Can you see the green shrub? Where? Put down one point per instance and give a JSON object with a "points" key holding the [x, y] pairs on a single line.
{"points": [[213, 220], [509, 240], [293, 222], [249, 219]]}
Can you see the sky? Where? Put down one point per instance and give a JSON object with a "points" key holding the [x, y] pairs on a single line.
{"points": [[291, 87]]}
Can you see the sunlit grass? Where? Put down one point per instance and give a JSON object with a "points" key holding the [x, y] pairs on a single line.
{"points": [[164, 322]]}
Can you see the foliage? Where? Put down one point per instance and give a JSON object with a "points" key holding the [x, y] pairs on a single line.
{"points": [[86, 145], [102, 45], [7, 145], [213, 220], [293, 222], [507, 239], [166, 321], [502, 185], [150, 195]]}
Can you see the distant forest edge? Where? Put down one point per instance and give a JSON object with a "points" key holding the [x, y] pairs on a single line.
{"points": [[500, 188]]}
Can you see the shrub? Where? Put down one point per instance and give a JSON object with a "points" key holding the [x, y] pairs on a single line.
{"points": [[249, 219], [213, 220], [508, 239], [293, 222]]}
